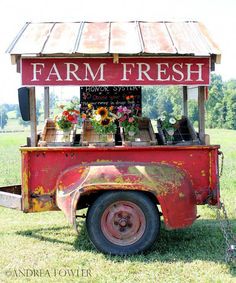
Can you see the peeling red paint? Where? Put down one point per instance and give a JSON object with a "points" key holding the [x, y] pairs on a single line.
{"points": [[179, 176]]}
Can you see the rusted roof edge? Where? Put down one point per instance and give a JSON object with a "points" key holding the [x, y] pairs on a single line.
{"points": [[48, 35], [78, 38], [13, 43], [211, 43], [140, 35], [169, 33]]}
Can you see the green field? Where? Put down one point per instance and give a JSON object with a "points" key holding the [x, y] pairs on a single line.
{"points": [[42, 247]]}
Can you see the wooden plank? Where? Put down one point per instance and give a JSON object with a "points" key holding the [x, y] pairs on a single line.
{"points": [[185, 101], [201, 114], [51, 136], [10, 200], [184, 133], [46, 102], [33, 124], [90, 138]]}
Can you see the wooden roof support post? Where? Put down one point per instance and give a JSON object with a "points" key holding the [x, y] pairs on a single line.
{"points": [[185, 101], [46, 102], [33, 122], [201, 114]]}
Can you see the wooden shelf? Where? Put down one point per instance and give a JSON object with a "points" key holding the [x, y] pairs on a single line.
{"points": [[145, 136], [90, 138], [51, 136]]}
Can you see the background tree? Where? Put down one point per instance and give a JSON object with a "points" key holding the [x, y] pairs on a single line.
{"points": [[3, 116], [193, 111], [215, 104], [38, 113], [159, 99], [230, 102]]}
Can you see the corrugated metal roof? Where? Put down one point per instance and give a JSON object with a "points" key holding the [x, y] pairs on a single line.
{"points": [[144, 38]]}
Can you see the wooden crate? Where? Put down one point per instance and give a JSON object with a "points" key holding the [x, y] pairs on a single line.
{"points": [[183, 135], [90, 138], [51, 136], [145, 136]]}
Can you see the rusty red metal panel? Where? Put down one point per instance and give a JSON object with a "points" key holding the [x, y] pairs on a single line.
{"points": [[114, 37], [186, 40], [42, 167], [62, 38], [32, 39], [156, 38], [124, 38], [168, 183], [94, 38]]}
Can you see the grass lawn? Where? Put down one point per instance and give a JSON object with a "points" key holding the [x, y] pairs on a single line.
{"points": [[44, 247]]}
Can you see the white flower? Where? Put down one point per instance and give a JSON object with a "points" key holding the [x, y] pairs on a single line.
{"points": [[98, 117], [162, 118], [172, 121], [170, 132]]}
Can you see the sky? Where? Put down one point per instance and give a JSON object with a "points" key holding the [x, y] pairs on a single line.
{"points": [[217, 15]]}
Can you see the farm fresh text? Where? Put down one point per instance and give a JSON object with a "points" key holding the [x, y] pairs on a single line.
{"points": [[102, 71]]}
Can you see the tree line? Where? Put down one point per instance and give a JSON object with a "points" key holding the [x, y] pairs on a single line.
{"points": [[220, 106]]}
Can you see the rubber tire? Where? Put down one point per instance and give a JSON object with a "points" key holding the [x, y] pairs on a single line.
{"points": [[148, 207]]}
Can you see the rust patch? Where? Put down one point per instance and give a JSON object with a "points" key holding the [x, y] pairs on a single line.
{"points": [[181, 195], [203, 173], [40, 205], [39, 190], [179, 163]]}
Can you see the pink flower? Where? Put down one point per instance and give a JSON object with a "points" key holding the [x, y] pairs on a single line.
{"points": [[126, 110], [74, 120], [120, 109], [122, 119], [131, 120]]}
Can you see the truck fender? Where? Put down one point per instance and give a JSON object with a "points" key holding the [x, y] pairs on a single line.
{"points": [[168, 183]]}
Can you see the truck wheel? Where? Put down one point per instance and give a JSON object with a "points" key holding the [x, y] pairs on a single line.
{"points": [[123, 223]]}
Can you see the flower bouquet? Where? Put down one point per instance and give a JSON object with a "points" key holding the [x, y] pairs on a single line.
{"points": [[69, 117], [128, 120], [103, 121], [67, 120], [99, 125], [169, 125]]}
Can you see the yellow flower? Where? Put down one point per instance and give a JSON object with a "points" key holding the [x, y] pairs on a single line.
{"points": [[90, 106], [105, 122], [103, 112]]}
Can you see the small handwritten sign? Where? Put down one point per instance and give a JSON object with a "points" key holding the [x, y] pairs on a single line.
{"points": [[109, 96]]}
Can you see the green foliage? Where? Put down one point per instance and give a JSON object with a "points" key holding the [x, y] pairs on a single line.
{"points": [[230, 104], [27, 123], [3, 116], [193, 111], [103, 129], [103, 121], [157, 99], [221, 105]]}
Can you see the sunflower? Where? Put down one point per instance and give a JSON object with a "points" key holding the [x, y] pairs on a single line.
{"points": [[103, 112], [105, 122]]}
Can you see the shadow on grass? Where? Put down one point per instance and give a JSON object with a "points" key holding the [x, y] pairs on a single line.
{"points": [[202, 241]]}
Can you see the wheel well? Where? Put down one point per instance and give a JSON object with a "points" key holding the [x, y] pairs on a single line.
{"points": [[88, 198]]}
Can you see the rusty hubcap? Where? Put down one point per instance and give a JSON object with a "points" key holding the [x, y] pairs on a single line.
{"points": [[123, 223]]}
